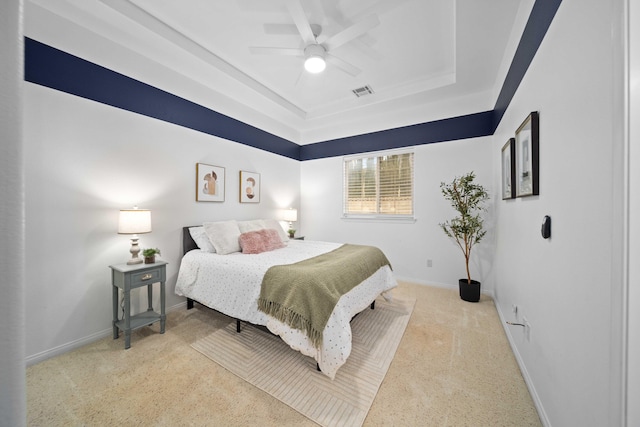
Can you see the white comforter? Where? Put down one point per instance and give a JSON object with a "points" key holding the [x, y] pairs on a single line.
{"points": [[231, 284]]}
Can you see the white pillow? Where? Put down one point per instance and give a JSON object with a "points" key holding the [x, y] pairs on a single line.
{"points": [[253, 225], [273, 224], [224, 236], [202, 240]]}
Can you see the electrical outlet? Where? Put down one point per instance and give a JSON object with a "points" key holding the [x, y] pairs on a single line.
{"points": [[527, 329], [429, 263]]}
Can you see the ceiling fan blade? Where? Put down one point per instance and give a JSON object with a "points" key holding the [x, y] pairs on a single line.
{"points": [[301, 21], [276, 51], [288, 29], [352, 32], [366, 49], [343, 65]]}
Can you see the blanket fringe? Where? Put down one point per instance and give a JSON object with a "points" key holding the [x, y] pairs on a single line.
{"points": [[293, 319]]}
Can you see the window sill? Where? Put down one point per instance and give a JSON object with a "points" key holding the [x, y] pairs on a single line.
{"points": [[391, 219]]}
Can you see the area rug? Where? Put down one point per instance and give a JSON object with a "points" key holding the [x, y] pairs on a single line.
{"points": [[265, 361]]}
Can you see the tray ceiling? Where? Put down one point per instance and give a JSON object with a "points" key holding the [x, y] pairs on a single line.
{"points": [[423, 53]]}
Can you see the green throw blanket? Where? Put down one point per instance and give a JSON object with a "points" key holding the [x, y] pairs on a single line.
{"points": [[303, 295]]}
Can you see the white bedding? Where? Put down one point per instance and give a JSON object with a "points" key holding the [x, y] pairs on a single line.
{"points": [[231, 284]]}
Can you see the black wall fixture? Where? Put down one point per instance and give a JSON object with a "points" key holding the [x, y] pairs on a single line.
{"points": [[546, 227]]}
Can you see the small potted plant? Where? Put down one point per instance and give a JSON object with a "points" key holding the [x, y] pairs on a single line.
{"points": [[466, 229], [292, 232], [150, 255]]}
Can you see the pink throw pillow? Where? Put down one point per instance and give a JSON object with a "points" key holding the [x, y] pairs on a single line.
{"points": [[273, 239], [255, 242], [252, 242]]}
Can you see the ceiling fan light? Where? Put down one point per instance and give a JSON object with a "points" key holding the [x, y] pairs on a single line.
{"points": [[315, 64]]}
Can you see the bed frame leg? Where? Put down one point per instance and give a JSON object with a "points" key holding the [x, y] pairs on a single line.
{"points": [[318, 367], [238, 325], [373, 305], [189, 303]]}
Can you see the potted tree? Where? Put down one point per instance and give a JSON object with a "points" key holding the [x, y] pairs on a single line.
{"points": [[466, 229], [150, 255]]}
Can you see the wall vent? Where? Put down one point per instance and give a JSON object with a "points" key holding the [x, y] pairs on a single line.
{"points": [[363, 91]]}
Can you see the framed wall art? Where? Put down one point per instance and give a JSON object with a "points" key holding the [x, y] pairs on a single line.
{"points": [[527, 157], [249, 187], [509, 170], [210, 183]]}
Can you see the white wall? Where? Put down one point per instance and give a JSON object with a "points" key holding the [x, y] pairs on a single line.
{"points": [[84, 162], [565, 285], [633, 333], [408, 245], [12, 374]]}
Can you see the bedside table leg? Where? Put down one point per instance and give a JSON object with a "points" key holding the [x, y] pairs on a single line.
{"points": [[114, 297], [163, 316], [127, 319], [150, 297]]}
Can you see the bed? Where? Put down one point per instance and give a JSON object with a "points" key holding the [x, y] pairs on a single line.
{"points": [[231, 284]]}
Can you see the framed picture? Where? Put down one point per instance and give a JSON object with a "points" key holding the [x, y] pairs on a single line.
{"points": [[527, 157], [210, 182], [509, 169], [249, 187]]}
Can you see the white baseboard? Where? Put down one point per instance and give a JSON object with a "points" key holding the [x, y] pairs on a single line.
{"points": [[427, 283], [61, 349], [523, 369], [439, 285]]}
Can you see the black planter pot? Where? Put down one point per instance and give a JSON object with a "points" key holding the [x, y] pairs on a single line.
{"points": [[469, 292]]}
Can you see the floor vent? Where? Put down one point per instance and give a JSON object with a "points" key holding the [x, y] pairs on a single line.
{"points": [[363, 91]]}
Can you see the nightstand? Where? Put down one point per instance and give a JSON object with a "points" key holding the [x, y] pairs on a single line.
{"points": [[127, 277], [297, 238]]}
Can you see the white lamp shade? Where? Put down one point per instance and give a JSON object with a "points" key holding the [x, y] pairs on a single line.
{"points": [[134, 221], [290, 215]]}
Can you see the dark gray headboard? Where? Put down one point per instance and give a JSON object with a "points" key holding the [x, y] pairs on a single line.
{"points": [[188, 244]]}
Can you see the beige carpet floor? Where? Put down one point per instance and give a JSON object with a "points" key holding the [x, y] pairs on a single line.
{"points": [[453, 367], [265, 361]]}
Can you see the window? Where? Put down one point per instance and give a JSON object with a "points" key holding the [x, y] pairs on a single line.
{"points": [[379, 186]]}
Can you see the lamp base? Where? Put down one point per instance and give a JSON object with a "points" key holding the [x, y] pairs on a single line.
{"points": [[135, 250]]}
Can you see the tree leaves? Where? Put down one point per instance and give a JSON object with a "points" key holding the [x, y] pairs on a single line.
{"points": [[468, 199]]}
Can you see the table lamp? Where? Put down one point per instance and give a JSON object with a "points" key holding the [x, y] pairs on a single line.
{"points": [[134, 221], [290, 215]]}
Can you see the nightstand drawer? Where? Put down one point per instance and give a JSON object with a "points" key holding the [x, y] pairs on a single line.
{"points": [[147, 277]]}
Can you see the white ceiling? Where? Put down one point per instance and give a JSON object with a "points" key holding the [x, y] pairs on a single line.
{"points": [[423, 57]]}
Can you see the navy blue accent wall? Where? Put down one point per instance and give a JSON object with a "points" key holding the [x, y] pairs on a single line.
{"points": [[50, 67], [537, 25], [461, 127], [59, 70]]}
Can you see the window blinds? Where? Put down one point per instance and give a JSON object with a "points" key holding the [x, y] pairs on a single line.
{"points": [[379, 185]]}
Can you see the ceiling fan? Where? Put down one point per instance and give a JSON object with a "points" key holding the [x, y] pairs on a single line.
{"points": [[316, 51]]}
